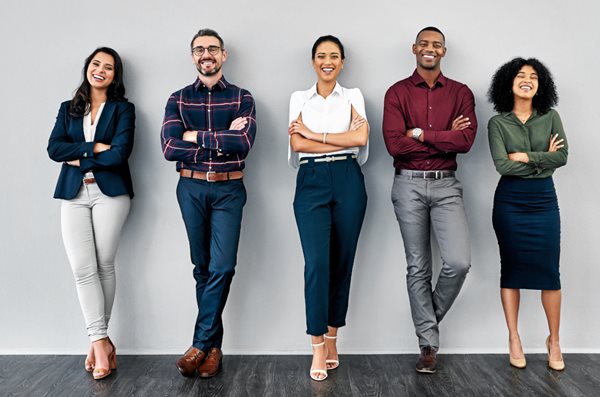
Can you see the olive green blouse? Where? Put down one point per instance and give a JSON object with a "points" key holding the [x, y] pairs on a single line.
{"points": [[507, 134]]}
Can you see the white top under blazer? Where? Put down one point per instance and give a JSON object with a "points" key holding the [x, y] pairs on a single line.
{"points": [[89, 130], [332, 115]]}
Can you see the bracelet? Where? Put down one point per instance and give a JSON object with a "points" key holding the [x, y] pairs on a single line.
{"points": [[325, 138]]}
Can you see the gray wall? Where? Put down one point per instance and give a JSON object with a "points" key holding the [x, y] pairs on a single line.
{"points": [[44, 45]]}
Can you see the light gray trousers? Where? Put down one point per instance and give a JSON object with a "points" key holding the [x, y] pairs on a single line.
{"points": [[422, 205], [91, 225]]}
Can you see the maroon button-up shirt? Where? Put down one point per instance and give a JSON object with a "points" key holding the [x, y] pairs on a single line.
{"points": [[411, 103]]}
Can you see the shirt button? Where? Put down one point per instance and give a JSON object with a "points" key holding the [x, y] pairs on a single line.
{"points": [[209, 92], [85, 154], [209, 110], [429, 107], [429, 125]]}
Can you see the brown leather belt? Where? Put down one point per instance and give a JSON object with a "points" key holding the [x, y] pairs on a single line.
{"points": [[87, 181], [211, 176]]}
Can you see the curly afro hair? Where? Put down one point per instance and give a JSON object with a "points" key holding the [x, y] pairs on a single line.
{"points": [[500, 93]]}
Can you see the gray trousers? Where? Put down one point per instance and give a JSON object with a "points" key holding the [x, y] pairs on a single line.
{"points": [[422, 205], [91, 225]]}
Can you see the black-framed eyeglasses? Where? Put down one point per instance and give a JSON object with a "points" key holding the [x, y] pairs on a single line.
{"points": [[212, 50]]}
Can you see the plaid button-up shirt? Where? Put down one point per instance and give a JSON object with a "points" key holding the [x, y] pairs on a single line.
{"points": [[209, 112]]}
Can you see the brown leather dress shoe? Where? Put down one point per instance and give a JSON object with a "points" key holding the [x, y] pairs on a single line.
{"points": [[190, 361], [212, 365], [427, 362]]}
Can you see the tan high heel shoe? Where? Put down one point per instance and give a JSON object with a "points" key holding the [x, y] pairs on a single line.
{"points": [[90, 362], [517, 362], [318, 371], [335, 362], [557, 365], [112, 359], [101, 373]]}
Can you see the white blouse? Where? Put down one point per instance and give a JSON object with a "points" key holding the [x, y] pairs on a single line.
{"points": [[89, 130], [332, 115]]}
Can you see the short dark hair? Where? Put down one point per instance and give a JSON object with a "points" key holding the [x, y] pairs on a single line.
{"points": [[328, 38], [430, 29], [207, 32], [501, 95], [80, 105]]}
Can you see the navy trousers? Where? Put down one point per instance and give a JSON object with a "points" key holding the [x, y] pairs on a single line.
{"points": [[329, 205], [212, 213]]}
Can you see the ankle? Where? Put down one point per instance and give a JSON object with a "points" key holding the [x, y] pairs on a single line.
{"points": [[514, 337], [554, 340]]}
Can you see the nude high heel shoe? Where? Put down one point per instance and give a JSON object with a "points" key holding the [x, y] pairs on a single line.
{"points": [[557, 365], [112, 359], [101, 373], [517, 362], [90, 362]]}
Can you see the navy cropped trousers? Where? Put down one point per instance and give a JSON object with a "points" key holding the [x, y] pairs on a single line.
{"points": [[329, 206]]}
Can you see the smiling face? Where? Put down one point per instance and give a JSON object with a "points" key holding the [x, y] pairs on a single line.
{"points": [[101, 71], [525, 83], [208, 64], [429, 49], [328, 62]]}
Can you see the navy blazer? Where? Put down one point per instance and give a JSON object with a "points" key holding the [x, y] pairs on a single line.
{"points": [[67, 142]]}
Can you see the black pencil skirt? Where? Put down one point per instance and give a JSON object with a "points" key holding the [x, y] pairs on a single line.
{"points": [[526, 220]]}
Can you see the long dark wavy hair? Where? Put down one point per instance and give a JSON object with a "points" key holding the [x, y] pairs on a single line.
{"points": [[80, 105], [501, 95]]}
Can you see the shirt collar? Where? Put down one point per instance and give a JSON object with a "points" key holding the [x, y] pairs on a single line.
{"points": [[221, 84], [417, 80], [312, 91], [510, 114]]}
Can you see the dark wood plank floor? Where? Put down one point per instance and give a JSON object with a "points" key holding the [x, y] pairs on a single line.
{"points": [[358, 375]]}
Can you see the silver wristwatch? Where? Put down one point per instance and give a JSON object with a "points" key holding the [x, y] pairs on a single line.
{"points": [[416, 133]]}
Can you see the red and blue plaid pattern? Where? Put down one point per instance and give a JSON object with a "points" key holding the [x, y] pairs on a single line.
{"points": [[209, 113]]}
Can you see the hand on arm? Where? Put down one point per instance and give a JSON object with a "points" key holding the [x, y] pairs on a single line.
{"points": [[555, 143], [115, 153], [554, 146], [239, 138], [502, 161], [300, 141], [558, 148], [461, 135], [237, 124], [100, 147], [519, 156], [357, 135]]}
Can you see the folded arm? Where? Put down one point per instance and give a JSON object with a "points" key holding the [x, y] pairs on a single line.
{"points": [[461, 135], [61, 147], [120, 146]]}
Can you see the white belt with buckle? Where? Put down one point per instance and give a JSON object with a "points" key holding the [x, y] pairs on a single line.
{"points": [[326, 159]]}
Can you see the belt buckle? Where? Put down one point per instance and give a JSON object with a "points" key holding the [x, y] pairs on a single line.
{"points": [[208, 173], [438, 175]]}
